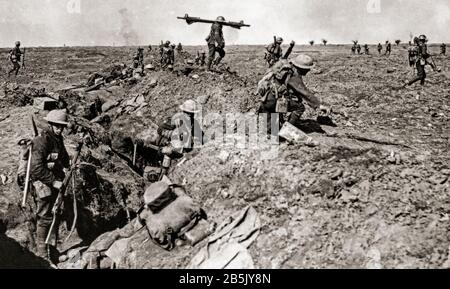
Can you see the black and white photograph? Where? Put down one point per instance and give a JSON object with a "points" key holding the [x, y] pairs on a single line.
{"points": [[244, 135]]}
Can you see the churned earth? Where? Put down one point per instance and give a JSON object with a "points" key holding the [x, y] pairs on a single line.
{"points": [[375, 193]]}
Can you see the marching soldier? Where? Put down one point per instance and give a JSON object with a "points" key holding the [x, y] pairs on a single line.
{"points": [[15, 56], [49, 158], [422, 59], [216, 43], [388, 48], [380, 48]]}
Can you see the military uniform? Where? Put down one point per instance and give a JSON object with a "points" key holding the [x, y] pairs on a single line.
{"points": [[167, 56], [420, 61], [274, 53], [388, 49], [366, 49], [358, 48], [380, 48], [292, 88], [49, 157], [216, 44], [139, 59], [15, 56], [443, 49]]}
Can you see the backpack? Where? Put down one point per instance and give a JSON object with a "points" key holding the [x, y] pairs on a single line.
{"points": [[169, 216], [275, 80]]}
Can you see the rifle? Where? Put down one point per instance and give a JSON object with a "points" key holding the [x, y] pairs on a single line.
{"points": [[23, 59], [59, 198], [27, 178], [191, 20]]}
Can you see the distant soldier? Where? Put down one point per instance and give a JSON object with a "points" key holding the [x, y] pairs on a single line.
{"points": [[216, 43], [358, 48], [353, 49], [49, 158], [388, 48], [413, 52], [167, 55], [203, 59], [138, 60], [150, 48], [366, 49], [443, 49], [421, 61], [380, 48], [15, 56], [274, 51], [179, 48], [284, 83]]}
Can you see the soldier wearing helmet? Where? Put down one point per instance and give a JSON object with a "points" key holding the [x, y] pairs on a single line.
{"points": [[388, 48], [274, 52], [421, 60], [379, 48], [289, 85], [216, 43], [167, 55], [15, 56], [49, 158]]}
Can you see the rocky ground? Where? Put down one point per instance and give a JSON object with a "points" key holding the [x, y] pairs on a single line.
{"points": [[374, 194]]}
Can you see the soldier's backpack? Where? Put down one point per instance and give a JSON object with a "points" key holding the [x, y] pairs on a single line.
{"points": [[275, 81], [168, 213]]}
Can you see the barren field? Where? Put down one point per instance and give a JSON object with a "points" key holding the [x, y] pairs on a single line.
{"points": [[374, 194]]}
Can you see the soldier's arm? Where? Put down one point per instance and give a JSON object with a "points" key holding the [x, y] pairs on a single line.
{"points": [[297, 85], [39, 170], [218, 35]]}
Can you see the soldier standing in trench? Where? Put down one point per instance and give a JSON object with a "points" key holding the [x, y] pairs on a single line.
{"points": [[216, 43], [49, 158]]}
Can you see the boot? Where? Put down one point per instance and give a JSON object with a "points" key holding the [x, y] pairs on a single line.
{"points": [[41, 235]]}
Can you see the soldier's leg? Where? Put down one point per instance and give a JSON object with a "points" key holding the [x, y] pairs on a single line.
{"points": [[221, 52], [17, 68], [267, 107], [211, 55], [44, 220], [419, 74], [422, 75]]}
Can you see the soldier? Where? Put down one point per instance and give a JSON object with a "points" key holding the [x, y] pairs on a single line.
{"points": [[216, 43], [15, 56], [167, 55], [49, 158], [422, 59], [287, 83], [179, 48], [150, 48], [413, 52], [274, 51], [388, 48], [203, 59], [366, 49], [380, 48], [353, 49], [358, 48], [443, 49], [139, 59]]}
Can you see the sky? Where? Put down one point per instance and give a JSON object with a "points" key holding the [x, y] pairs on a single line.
{"points": [[143, 22]]}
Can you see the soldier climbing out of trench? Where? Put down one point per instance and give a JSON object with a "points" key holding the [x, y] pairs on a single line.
{"points": [[282, 90]]}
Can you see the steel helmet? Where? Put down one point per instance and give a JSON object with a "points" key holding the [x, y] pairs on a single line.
{"points": [[279, 40], [58, 116], [17, 43], [190, 106], [220, 18], [303, 61], [423, 38]]}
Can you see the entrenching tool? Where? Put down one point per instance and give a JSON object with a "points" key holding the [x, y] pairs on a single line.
{"points": [[27, 177]]}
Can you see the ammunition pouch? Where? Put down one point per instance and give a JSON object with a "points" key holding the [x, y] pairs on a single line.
{"points": [[42, 190]]}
